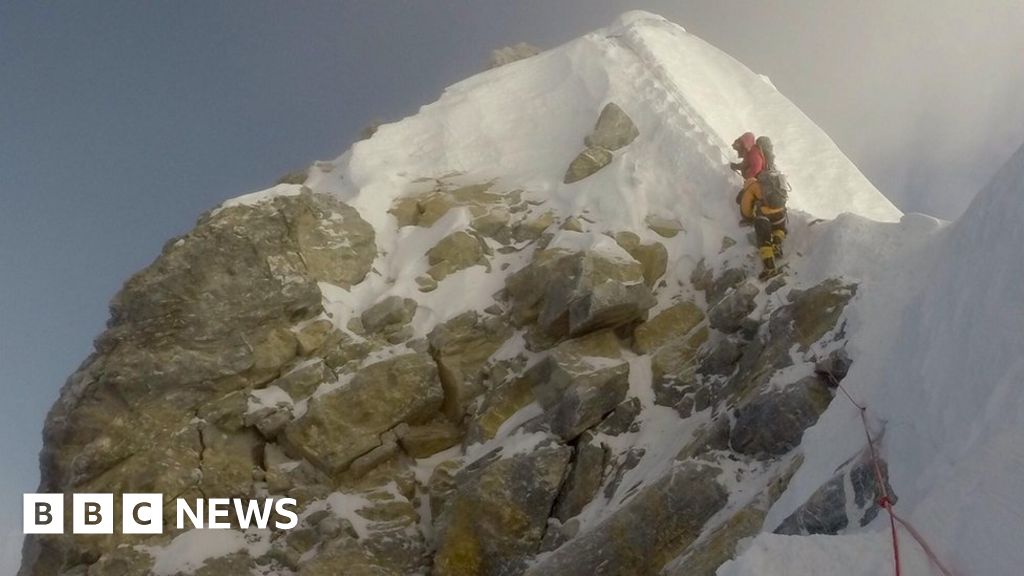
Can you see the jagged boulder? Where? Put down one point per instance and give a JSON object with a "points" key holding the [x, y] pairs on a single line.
{"points": [[830, 509], [499, 404], [587, 163], [461, 347], [571, 293], [653, 257], [648, 531], [808, 317], [389, 313], [425, 440], [772, 422], [348, 422], [495, 520], [159, 406], [457, 251], [729, 278], [614, 129], [728, 314], [580, 382], [673, 338], [584, 479], [672, 323]]}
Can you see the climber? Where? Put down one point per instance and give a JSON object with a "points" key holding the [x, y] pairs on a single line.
{"points": [[763, 197]]}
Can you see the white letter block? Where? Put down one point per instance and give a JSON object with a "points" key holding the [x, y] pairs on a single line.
{"points": [[93, 514], [142, 514], [43, 514]]}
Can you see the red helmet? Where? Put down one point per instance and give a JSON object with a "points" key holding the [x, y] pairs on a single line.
{"points": [[744, 142]]}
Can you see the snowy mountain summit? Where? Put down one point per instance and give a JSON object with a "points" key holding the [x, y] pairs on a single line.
{"points": [[520, 332]]}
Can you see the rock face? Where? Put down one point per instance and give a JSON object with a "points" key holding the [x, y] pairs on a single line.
{"points": [[495, 520], [569, 294], [652, 528], [580, 382], [587, 163], [614, 129], [530, 436], [346, 423], [772, 423], [461, 348], [159, 406], [830, 510]]}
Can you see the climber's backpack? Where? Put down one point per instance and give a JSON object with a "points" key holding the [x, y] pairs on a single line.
{"points": [[774, 186], [768, 151]]}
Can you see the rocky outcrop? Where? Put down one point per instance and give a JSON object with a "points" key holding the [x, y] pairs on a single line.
{"points": [[614, 130], [585, 477], [461, 347], [455, 252], [728, 313], [772, 422], [587, 163], [347, 423], [572, 293], [159, 406], [580, 382], [648, 531], [496, 518], [222, 374], [830, 509]]}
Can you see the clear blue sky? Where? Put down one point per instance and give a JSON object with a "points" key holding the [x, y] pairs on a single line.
{"points": [[121, 122]]}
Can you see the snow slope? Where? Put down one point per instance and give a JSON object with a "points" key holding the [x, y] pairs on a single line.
{"points": [[939, 364], [522, 124], [525, 122]]}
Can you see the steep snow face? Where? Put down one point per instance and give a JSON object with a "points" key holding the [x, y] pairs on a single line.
{"points": [[944, 386], [525, 122]]}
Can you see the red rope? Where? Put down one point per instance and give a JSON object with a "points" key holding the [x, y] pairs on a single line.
{"points": [[885, 501]]}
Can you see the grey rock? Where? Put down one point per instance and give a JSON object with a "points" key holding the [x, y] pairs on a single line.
{"points": [[462, 347], [302, 381], [721, 359], [609, 304], [346, 423], [391, 311], [835, 366], [727, 280], [773, 422], [584, 478], [495, 521], [614, 129], [830, 510], [555, 291], [626, 462], [621, 420], [587, 163], [645, 533], [580, 382], [728, 314], [823, 513]]}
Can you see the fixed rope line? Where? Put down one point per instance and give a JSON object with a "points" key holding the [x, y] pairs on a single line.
{"points": [[885, 500]]}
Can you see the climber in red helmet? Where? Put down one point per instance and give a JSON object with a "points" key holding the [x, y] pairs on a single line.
{"points": [[752, 163], [762, 204]]}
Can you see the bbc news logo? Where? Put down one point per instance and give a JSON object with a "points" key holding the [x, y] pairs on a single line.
{"points": [[143, 513]]}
